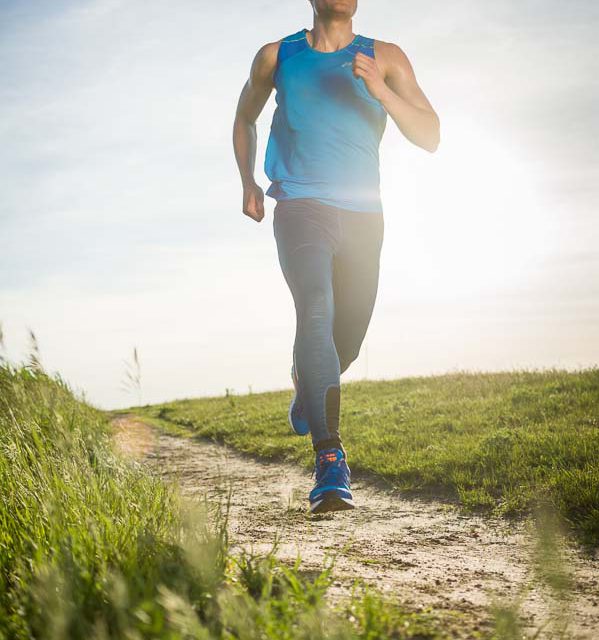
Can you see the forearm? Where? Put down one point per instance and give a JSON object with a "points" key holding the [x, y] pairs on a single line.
{"points": [[244, 144], [420, 126]]}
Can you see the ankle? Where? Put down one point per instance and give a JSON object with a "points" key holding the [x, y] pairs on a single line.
{"points": [[329, 443]]}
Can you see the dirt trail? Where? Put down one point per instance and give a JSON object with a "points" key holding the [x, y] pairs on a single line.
{"points": [[424, 553]]}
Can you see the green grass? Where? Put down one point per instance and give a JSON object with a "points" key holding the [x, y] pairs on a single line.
{"points": [[494, 441], [92, 546]]}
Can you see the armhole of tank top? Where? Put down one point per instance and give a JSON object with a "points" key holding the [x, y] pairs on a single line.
{"points": [[277, 63]]}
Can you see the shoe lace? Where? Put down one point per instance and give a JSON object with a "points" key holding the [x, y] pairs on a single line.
{"points": [[334, 472]]}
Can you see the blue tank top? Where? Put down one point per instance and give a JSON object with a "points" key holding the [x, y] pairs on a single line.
{"points": [[326, 129]]}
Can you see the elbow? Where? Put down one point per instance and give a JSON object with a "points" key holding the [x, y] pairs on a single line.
{"points": [[435, 139], [242, 119], [433, 145]]}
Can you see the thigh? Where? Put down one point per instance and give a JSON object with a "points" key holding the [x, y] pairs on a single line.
{"points": [[306, 241], [356, 277]]}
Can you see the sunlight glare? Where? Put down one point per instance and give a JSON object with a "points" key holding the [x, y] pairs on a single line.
{"points": [[466, 219]]}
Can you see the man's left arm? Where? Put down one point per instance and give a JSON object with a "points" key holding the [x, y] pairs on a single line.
{"points": [[393, 83]]}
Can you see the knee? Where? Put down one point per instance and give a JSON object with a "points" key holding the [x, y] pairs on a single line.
{"points": [[317, 307]]}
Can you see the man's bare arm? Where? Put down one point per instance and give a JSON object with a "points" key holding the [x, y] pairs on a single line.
{"points": [[393, 82], [254, 95]]}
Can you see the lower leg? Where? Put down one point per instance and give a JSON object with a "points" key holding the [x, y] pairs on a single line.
{"points": [[318, 369]]}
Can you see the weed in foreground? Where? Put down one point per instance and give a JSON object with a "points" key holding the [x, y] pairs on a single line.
{"points": [[550, 571]]}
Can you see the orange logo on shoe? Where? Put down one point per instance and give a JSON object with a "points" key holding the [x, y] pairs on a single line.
{"points": [[328, 457]]}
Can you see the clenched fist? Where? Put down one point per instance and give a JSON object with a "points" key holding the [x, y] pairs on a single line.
{"points": [[366, 68], [253, 201]]}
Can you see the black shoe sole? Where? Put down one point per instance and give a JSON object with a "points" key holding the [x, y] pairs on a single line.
{"points": [[332, 502]]}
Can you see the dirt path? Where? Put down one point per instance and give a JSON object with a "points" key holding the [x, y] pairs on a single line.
{"points": [[424, 553]]}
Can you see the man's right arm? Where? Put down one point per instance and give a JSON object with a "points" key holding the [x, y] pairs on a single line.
{"points": [[254, 95]]}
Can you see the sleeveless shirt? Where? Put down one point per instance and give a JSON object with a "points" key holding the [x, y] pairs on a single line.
{"points": [[326, 128]]}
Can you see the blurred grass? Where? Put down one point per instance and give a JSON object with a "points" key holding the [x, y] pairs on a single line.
{"points": [[92, 546], [498, 442]]}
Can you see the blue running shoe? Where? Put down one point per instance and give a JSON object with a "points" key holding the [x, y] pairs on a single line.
{"points": [[331, 491], [296, 416]]}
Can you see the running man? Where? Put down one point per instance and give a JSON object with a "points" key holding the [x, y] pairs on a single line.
{"points": [[334, 89]]}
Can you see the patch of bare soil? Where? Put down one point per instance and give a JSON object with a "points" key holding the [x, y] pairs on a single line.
{"points": [[424, 553], [134, 438]]}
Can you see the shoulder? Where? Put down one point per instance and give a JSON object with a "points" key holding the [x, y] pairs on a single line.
{"points": [[270, 54], [391, 58], [267, 54], [265, 62]]}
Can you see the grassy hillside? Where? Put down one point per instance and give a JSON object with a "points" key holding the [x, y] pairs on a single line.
{"points": [[495, 441], [93, 547]]}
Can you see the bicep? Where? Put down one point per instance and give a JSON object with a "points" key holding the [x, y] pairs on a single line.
{"points": [[400, 77], [259, 85]]}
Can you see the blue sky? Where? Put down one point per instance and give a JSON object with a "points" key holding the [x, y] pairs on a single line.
{"points": [[120, 201]]}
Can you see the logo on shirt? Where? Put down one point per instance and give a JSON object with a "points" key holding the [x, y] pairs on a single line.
{"points": [[347, 64]]}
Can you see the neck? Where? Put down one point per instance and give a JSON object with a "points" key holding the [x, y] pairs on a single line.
{"points": [[330, 35]]}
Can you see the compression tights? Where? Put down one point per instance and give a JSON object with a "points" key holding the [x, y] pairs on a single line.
{"points": [[330, 260]]}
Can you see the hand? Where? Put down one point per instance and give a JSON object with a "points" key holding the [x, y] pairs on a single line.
{"points": [[366, 68], [253, 201]]}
